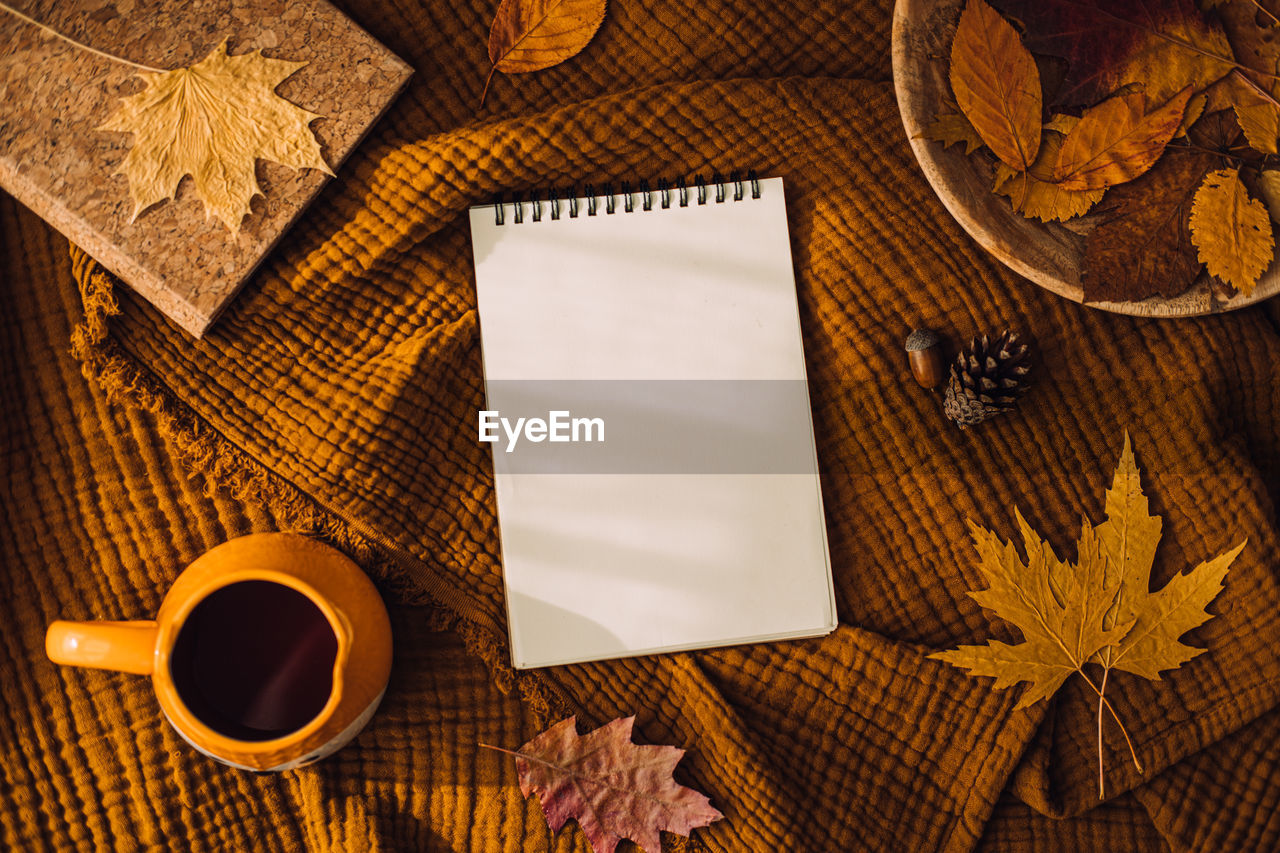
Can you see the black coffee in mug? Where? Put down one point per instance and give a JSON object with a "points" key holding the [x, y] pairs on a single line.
{"points": [[254, 660]]}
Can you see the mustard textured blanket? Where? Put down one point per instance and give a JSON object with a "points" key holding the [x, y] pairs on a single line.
{"points": [[338, 396]]}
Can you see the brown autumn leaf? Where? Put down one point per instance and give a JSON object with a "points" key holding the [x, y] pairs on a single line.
{"points": [[612, 787], [1216, 97], [1062, 123], [1165, 45], [1033, 192], [997, 84], [1254, 35], [1195, 109], [1117, 140], [1217, 131], [1257, 111], [1141, 247], [529, 35], [952, 128], [1231, 230], [1099, 611], [213, 121], [1267, 12], [1252, 89]]}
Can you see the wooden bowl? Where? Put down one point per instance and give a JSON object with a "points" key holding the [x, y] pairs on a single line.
{"points": [[1050, 254]]}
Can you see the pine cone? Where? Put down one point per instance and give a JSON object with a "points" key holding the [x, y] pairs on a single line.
{"points": [[987, 379]]}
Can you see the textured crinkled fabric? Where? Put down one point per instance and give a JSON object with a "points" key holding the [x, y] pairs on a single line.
{"points": [[341, 388], [98, 519]]}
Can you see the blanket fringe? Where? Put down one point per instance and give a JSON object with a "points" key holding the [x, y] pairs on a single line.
{"points": [[226, 467]]}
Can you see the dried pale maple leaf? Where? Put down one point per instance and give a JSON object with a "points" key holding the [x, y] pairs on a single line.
{"points": [[1231, 230], [953, 128], [1165, 45], [996, 84], [213, 121], [1117, 140], [529, 35], [1100, 611], [612, 787]]}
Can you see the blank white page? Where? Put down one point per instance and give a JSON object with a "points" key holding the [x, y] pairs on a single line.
{"points": [[698, 520]]}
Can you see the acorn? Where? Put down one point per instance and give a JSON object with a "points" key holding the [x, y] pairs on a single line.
{"points": [[924, 352]]}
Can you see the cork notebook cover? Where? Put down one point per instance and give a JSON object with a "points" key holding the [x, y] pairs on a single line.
{"points": [[54, 96]]}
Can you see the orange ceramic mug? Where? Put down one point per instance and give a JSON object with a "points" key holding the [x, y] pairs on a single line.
{"points": [[269, 652]]}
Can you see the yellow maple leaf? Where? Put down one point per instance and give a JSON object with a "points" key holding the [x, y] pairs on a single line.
{"points": [[1100, 611], [212, 121], [1231, 231], [1060, 609], [1033, 192], [1129, 539]]}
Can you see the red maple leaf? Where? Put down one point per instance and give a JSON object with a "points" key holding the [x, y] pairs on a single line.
{"points": [[612, 787]]}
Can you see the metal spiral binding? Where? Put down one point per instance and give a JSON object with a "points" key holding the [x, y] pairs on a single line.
{"points": [[666, 190]]}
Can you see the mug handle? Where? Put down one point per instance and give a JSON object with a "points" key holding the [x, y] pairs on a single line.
{"points": [[120, 646]]}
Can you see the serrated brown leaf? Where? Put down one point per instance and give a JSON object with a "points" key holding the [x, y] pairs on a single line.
{"points": [[1058, 607], [213, 121], [1231, 230], [1142, 247], [612, 787], [953, 128], [1165, 45], [1033, 192], [1116, 141], [1254, 36], [1257, 111], [529, 35], [1253, 89], [997, 84]]}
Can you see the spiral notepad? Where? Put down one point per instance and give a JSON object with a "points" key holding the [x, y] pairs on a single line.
{"points": [[647, 407]]}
